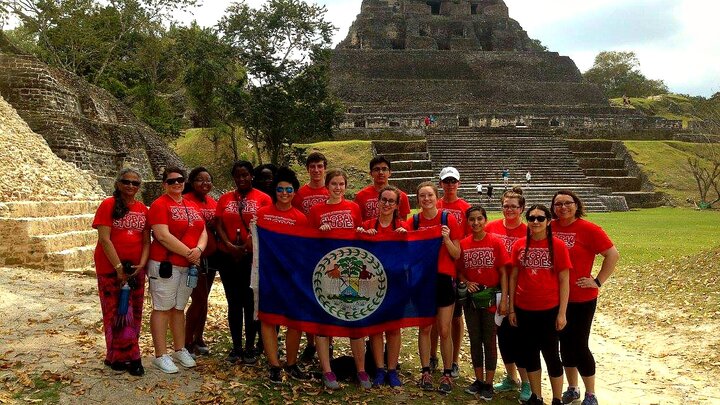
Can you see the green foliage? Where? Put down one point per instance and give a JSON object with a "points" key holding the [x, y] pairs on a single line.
{"points": [[618, 74], [537, 46]]}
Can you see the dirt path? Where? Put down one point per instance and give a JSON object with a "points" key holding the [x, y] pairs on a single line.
{"points": [[50, 330]]}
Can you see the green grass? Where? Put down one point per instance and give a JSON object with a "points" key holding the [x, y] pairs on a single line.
{"points": [[351, 156], [668, 106]]}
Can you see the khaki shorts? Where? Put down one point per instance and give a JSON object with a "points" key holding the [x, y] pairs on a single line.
{"points": [[168, 293]]}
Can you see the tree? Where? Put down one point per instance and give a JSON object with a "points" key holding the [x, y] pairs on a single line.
{"points": [[618, 74]]}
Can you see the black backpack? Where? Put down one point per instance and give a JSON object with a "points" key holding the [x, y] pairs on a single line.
{"points": [[443, 219]]}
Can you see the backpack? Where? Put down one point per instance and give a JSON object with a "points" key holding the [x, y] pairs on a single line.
{"points": [[443, 219]]}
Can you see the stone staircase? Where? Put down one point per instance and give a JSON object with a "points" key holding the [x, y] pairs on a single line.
{"points": [[53, 236], [606, 164], [410, 164], [480, 154]]}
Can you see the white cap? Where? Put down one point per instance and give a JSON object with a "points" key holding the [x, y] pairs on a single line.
{"points": [[449, 172]]}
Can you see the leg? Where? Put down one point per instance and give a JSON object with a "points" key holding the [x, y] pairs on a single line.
{"points": [[231, 284], [158, 327], [357, 346], [269, 336], [292, 345], [393, 337], [472, 318], [444, 325], [424, 345], [323, 351], [376, 342], [177, 328], [195, 311], [458, 329], [433, 342], [487, 321]]}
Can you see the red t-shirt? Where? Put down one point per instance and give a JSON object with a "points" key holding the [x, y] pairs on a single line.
{"points": [[367, 199], [271, 215], [126, 233], [185, 222], [480, 261], [509, 236], [537, 282], [446, 264], [207, 211], [457, 208], [584, 240], [228, 212], [344, 215], [307, 197], [374, 223]]}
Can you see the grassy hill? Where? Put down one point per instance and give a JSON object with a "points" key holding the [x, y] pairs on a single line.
{"points": [[675, 107]]}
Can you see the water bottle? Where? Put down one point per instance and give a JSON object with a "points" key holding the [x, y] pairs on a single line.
{"points": [[124, 301], [192, 277], [461, 292]]}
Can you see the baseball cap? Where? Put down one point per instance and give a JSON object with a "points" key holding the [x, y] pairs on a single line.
{"points": [[449, 172]]}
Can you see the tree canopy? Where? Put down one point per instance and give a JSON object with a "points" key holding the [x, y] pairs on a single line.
{"points": [[618, 74]]}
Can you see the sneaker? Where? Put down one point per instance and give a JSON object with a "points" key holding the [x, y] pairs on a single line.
{"points": [[556, 401], [426, 382], [165, 364], [525, 392], [507, 384], [364, 380], [116, 365], [486, 392], [308, 354], [455, 371], [275, 375], [296, 373], [590, 399], [570, 396], [433, 364], [330, 381], [380, 376], [445, 386], [394, 379], [202, 349], [249, 356], [183, 356], [234, 356], [135, 368], [474, 388], [534, 400]]}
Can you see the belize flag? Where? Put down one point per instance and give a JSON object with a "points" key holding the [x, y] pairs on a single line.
{"points": [[341, 283]]}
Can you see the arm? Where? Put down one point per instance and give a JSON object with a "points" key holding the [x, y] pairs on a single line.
{"points": [[235, 250], [452, 245], [564, 284], [169, 241], [196, 252], [610, 259], [512, 284], [145, 253], [110, 252], [503, 308]]}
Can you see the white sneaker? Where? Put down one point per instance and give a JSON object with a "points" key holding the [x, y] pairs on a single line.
{"points": [[165, 364], [184, 357]]}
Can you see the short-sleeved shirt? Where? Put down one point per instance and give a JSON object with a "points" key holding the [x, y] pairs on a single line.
{"points": [[480, 260], [584, 240], [272, 215], [537, 281], [307, 197], [344, 215], [228, 211], [184, 221], [367, 199], [374, 223], [207, 211], [457, 208], [446, 264], [126, 233], [509, 236]]}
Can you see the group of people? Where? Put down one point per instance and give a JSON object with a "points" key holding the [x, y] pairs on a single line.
{"points": [[525, 287]]}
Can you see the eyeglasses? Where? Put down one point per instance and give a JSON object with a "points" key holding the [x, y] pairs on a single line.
{"points": [[450, 180], [130, 182], [510, 207], [388, 201], [563, 204], [539, 218], [288, 190], [178, 180], [380, 169], [203, 181]]}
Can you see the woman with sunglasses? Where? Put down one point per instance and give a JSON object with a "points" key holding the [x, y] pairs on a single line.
{"points": [[338, 213], [584, 240], [510, 228], [235, 210], [179, 240], [284, 214], [432, 217], [538, 300], [197, 189], [388, 221], [120, 256]]}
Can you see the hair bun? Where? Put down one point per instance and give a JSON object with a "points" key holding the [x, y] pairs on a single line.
{"points": [[517, 190]]}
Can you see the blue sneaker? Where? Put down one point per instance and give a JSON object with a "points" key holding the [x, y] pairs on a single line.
{"points": [[590, 399], [394, 379], [525, 392], [507, 384], [380, 376], [570, 396]]}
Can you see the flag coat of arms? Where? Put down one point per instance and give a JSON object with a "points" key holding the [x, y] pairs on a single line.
{"points": [[341, 283]]}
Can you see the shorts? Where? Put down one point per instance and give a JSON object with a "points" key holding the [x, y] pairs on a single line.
{"points": [[444, 291], [168, 293]]}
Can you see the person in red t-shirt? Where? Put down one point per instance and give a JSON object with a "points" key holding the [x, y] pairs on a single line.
{"points": [[367, 198], [179, 240], [120, 256], [430, 216], [539, 293], [388, 221], [510, 229], [197, 190], [338, 213], [235, 210], [450, 202], [585, 240], [482, 266]]}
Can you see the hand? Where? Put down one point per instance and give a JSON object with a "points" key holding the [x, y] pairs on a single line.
{"points": [[401, 230], [325, 227], [137, 269], [194, 255], [445, 231], [586, 282], [472, 286], [122, 277], [503, 306], [512, 319], [560, 322]]}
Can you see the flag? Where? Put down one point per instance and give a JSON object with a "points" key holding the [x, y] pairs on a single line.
{"points": [[340, 283]]}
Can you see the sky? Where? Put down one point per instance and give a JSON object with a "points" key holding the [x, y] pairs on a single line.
{"points": [[673, 39]]}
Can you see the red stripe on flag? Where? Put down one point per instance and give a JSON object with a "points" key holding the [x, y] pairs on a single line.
{"points": [[339, 331]]}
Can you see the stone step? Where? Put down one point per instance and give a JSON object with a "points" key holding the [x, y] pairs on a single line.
{"points": [[74, 258], [405, 165], [66, 240], [56, 225], [405, 156], [624, 183], [37, 209], [642, 199], [412, 173], [606, 172], [594, 145], [383, 147], [594, 155], [602, 163]]}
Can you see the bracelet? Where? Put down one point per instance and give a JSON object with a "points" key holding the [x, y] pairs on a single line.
{"points": [[598, 282], [118, 266], [199, 248]]}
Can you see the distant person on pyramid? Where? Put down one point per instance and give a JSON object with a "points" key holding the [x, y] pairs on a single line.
{"points": [[528, 177], [120, 257], [427, 121], [506, 177]]}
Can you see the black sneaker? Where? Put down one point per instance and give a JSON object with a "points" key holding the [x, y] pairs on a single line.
{"points": [[426, 382], [249, 356], [534, 400], [486, 392], [116, 365], [135, 368], [445, 386], [557, 401], [308, 354], [234, 355], [275, 375], [474, 388], [296, 373]]}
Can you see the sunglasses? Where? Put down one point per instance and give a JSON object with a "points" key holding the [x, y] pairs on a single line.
{"points": [[387, 201], [130, 182], [450, 181], [288, 190], [563, 204], [539, 218], [176, 180]]}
